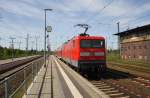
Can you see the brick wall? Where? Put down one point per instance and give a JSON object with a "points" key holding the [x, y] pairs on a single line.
{"points": [[136, 50]]}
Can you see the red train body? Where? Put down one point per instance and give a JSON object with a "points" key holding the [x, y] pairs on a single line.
{"points": [[86, 53]]}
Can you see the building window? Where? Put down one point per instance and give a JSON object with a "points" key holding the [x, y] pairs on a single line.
{"points": [[122, 49], [129, 47], [145, 46], [145, 57], [134, 47], [125, 49]]}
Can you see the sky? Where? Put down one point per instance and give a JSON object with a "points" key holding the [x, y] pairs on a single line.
{"points": [[21, 17]]}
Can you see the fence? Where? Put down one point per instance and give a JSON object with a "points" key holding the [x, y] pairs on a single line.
{"points": [[16, 84]]}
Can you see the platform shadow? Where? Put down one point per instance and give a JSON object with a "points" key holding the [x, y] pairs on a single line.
{"points": [[113, 74]]}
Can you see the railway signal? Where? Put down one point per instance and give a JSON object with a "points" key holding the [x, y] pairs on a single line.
{"points": [[49, 29]]}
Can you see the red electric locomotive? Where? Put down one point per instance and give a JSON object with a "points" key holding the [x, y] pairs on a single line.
{"points": [[85, 53]]}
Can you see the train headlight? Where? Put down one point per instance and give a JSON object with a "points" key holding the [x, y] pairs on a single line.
{"points": [[99, 53], [84, 53]]}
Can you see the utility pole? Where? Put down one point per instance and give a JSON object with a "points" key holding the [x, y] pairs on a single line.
{"points": [[112, 48], [32, 45], [119, 45], [36, 42], [12, 47], [19, 44], [118, 25], [27, 43]]}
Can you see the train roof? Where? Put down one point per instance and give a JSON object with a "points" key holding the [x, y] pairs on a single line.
{"points": [[84, 36], [90, 37]]}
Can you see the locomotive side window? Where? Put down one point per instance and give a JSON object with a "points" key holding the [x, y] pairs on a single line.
{"points": [[92, 43]]}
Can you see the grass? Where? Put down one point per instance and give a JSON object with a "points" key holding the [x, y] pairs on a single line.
{"points": [[6, 53], [115, 58]]}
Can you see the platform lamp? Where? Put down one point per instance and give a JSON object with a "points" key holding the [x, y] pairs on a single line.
{"points": [[47, 29]]}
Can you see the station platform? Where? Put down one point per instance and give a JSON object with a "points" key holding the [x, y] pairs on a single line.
{"points": [[58, 80], [41, 86]]}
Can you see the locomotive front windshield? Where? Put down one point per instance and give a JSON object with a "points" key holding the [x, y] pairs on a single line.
{"points": [[92, 43]]}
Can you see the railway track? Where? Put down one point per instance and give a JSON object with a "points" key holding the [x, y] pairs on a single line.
{"points": [[19, 76], [142, 81], [111, 90], [137, 70], [11, 65], [10, 68], [119, 84], [123, 85]]}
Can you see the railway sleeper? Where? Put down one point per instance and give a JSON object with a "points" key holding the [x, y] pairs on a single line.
{"points": [[142, 82], [104, 87], [142, 79], [116, 94], [99, 85], [107, 89], [113, 91], [124, 97], [98, 82]]}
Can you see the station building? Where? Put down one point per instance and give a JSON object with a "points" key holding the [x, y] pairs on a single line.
{"points": [[135, 43]]}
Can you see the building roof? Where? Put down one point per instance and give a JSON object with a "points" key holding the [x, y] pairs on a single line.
{"points": [[134, 30]]}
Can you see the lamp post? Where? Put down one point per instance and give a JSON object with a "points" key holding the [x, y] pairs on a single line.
{"points": [[45, 10]]}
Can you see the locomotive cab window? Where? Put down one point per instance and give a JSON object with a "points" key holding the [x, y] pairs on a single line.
{"points": [[97, 43], [85, 43], [92, 43]]}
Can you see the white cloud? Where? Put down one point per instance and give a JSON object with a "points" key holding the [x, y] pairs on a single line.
{"points": [[77, 5], [69, 12], [21, 8]]}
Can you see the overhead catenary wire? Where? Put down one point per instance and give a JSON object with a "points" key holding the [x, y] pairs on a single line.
{"points": [[135, 19], [116, 19], [92, 18], [125, 14], [127, 25]]}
